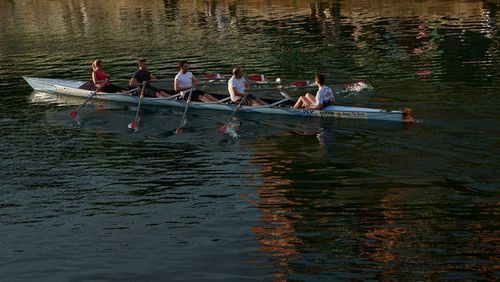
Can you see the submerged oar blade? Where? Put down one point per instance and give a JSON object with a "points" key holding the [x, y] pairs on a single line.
{"points": [[223, 129], [134, 125], [181, 127], [74, 115], [229, 130]]}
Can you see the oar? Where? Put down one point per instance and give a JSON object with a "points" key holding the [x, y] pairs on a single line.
{"points": [[183, 120], [74, 114], [225, 128], [259, 78], [135, 123]]}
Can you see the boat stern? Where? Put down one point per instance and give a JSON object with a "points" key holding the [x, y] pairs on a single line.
{"points": [[48, 84], [407, 115]]}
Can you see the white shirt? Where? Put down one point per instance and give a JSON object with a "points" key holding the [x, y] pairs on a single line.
{"points": [[239, 84], [185, 79], [324, 93]]}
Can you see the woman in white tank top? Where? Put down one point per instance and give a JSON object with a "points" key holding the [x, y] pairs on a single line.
{"points": [[324, 97]]}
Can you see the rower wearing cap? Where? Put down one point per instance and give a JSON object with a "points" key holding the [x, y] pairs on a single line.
{"points": [[324, 96], [238, 87], [184, 80]]}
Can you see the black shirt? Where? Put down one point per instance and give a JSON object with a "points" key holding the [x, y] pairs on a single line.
{"points": [[142, 75]]}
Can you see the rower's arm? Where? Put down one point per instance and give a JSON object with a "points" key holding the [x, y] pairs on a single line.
{"points": [[317, 105], [317, 98], [237, 93], [195, 81], [135, 83], [153, 78], [94, 79]]}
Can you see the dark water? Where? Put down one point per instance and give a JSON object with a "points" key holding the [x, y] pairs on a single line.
{"points": [[292, 199]]}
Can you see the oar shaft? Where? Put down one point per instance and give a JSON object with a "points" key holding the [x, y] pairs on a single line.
{"points": [[240, 103], [90, 97], [186, 108], [86, 101], [140, 102]]}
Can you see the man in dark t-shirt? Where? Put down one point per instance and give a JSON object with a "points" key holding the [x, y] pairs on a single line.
{"points": [[142, 77]]}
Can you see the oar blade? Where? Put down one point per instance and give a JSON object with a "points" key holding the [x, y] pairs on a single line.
{"points": [[181, 127], [223, 129], [229, 130], [134, 125], [74, 115]]}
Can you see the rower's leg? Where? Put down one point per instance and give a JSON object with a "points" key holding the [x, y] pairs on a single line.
{"points": [[299, 103], [257, 103], [311, 99], [161, 94], [260, 102], [208, 98]]}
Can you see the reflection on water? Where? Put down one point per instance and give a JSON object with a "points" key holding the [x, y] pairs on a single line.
{"points": [[312, 221], [292, 198], [277, 37]]}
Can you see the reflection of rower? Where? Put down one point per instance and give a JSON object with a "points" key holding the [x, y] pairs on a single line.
{"points": [[184, 81], [142, 77]]}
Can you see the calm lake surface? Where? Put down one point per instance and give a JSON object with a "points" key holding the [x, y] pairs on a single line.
{"points": [[291, 199]]}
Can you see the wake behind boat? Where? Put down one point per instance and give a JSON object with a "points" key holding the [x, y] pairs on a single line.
{"points": [[83, 89]]}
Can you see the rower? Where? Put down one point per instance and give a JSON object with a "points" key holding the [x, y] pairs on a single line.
{"points": [[184, 80], [100, 77], [238, 87], [324, 96], [143, 77]]}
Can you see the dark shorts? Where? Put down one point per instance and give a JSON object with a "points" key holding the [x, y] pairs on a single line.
{"points": [[327, 103], [195, 96], [248, 100], [149, 91], [250, 96], [111, 89]]}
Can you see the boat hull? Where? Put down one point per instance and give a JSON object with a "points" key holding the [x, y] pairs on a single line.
{"points": [[71, 88]]}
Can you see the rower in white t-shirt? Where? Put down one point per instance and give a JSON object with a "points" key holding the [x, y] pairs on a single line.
{"points": [[324, 97], [184, 80], [238, 86]]}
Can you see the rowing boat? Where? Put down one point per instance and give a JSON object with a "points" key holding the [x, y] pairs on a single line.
{"points": [[83, 89]]}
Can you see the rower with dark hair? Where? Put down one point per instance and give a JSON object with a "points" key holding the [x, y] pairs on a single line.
{"points": [[324, 96], [143, 77], [184, 80], [238, 87]]}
